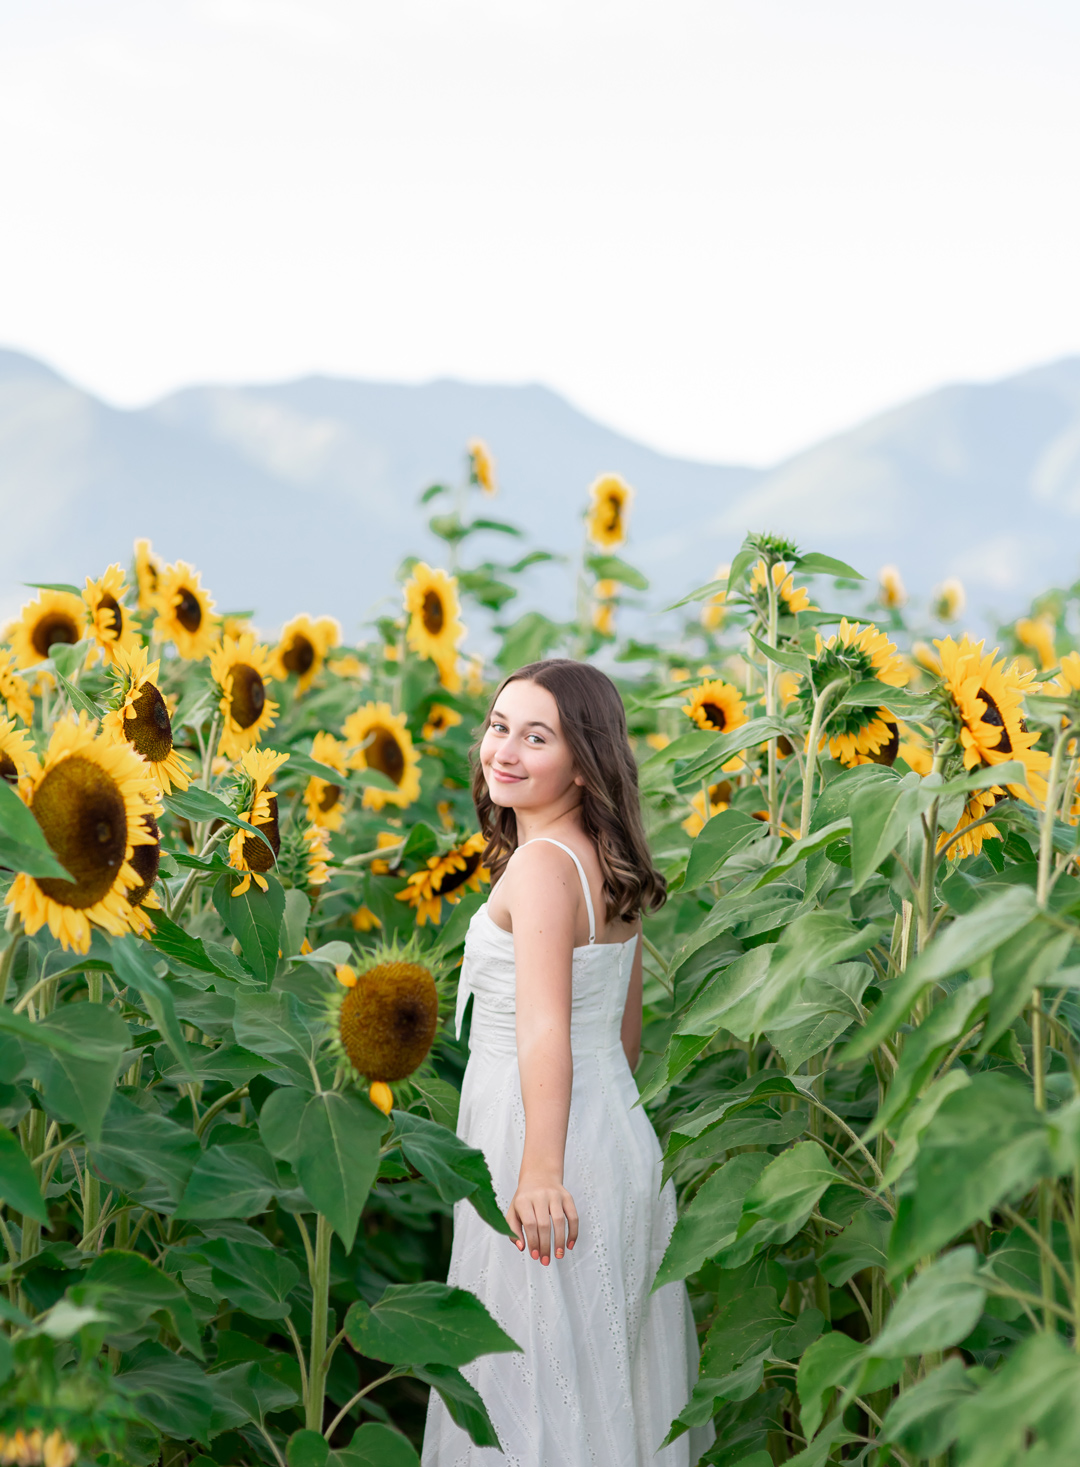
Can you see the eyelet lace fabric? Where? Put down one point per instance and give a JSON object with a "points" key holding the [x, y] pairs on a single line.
{"points": [[605, 1366]]}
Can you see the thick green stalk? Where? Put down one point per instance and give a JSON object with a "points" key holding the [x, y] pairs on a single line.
{"points": [[926, 884], [7, 957], [320, 1308], [35, 1144], [813, 738], [770, 699]]}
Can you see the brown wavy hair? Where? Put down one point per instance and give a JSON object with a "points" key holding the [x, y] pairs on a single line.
{"points": [[594, 726]]}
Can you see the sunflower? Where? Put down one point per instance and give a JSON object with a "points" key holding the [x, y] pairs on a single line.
{"points": [[439, 719], [610, 498], [713, 612], [146, 860], [247, 853], [14, 690], [868, 732], [719, 797], [482, 467], [302, 648], [52, 617], [716, 705], [185, 612], [148, 568], [241, 667], [17, 757], [111, 624], [474, 674], [324, 800], [384, 1014], [435, 627], [142, 718], [35, 1449], [89, 796], [1038, 634], [448, 876], [384, 840], [1067, 681], [365, 920], [380, 740], [891, 590], [914, 752], [603, 618], [948, 600], [317, 841], [658, 741], [791, 598], [348, 666]]}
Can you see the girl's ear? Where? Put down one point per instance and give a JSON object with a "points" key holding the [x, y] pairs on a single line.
{"points": [[579, 780]]}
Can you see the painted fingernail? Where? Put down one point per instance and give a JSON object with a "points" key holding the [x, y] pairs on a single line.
{"points": [[558, 1252]]}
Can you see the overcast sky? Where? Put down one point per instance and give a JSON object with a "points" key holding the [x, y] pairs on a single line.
{"points": [[725, 227]]}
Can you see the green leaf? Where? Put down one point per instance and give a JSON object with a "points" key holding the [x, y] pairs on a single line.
{"points": [[171, 940], [246, 1392], [279, 1122], [781, 1200], [814, 1014], [200, 806], [429, 1324], [455, 1169], [463, 1402], [875, 694], [254, 919], [881, 809], [132, 967], [939, 1309], [256, 1278], [133, 1290], [1023, 963], [862, 1244], [498, 526], [727, 745], [77, 698], [442, 1099], [987, 1144], [230, 1181], [815, 564], [922, 1418], [376, 1445], [23, 846], [719, 838], [611, 568], [170, 1392], [528, 639], [19, 1188], [829, 1362], [339, 1158], [700, 593], [799, 849], [711, 1221], [788, 657], [64, 586], [79, 1086], [1027, 1409], [307, 1449], [139, 1147]]}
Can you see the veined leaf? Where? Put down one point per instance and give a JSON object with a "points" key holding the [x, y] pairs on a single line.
{"points": [[455, 1169], [338, 1158], [430, 1323], [815, 564], [200, 806], [939, 1309], [463, 1402], [19, 1188], [781, 1200], [720, 837], [711, 1221], [254, 919]]}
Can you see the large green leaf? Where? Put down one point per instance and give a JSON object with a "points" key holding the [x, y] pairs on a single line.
{"points": [[338, 1157], [131, 1289], [455, 1169], [463, 1402], [1029, 1403], [939, 1309], [254, 919], [23, 846], [199, 806], [862, 1244], [781, 1200], [922, 1419], [425, 1324], [1021, 964], [726, 746], [711, 1221], [280, 1028], [170, 1392], [132, 967], [799, 850], [79, 1086], [19, 1188], [279, 1122], [817, 1012], [255, 1278], [376, 1445], [830, 1362], [243, 1393], [230, 1181], [718, 839], [207, 957]]}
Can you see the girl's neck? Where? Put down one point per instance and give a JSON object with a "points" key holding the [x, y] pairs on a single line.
{"points": [[563, 816]]}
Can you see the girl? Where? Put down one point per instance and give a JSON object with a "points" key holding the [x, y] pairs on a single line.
{"points": [[553, 962]]}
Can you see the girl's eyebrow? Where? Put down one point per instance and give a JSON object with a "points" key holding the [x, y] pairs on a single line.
{"points": [[534, 723]]}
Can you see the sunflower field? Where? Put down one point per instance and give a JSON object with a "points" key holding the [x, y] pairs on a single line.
{"points": [[236, 876]]}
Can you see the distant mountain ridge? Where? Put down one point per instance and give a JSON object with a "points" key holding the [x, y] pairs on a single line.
{"points": [[302, 495]]}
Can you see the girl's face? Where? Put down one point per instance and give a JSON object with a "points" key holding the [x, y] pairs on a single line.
{"points": [[524, 756]]}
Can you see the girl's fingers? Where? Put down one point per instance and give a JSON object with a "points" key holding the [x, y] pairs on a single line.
{"points": [[558, 1227], [572, 1220], [515, 1222], [532, 1232]]}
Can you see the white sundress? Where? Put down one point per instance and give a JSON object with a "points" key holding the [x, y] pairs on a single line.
{"points": [[605, 1366]]}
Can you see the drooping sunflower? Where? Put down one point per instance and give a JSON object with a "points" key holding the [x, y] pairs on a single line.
{"points": [[324, 800], [1037, 632], [610, 499], [439, 719], [185, 612], [17, 757], [891, 590], [985, 701], [717, 705], [379, 739], [52, 617], [384, 1013], [791, 598], [142, 719], [14, 690], [90, 796], [862, 734], [448, 877], [302, 649], [719, 797], [148, 569], [435, 627], [247, 853], [482, 467], [111, 624], [240, 667]]}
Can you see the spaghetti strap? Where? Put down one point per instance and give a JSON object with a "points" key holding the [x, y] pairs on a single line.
{"points": [[580, 871]]}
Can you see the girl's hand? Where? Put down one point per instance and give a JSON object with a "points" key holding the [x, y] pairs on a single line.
{"points": [[542, 1206]]}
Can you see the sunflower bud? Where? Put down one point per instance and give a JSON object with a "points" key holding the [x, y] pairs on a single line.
{"points": [[385, 1015]]}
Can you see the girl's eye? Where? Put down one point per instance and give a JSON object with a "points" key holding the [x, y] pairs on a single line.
{"points": [[535, 738]]}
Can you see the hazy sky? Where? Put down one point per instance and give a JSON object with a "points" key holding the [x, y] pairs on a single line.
{"points": [[726, 227]]}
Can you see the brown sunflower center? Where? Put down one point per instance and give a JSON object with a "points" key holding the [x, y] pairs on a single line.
{"points": [[330, 796], [7, 768], [299, 657], [114, 615], [150, 731], [188, 610], [992, 716], [715, 714], [248, 696], [388, 1020], [614, 513], [385, 754], [720, 793], [145, 860], [53, 627], [84, 819], [433, 614], [453, 879], [889, 750], [256, 855]]}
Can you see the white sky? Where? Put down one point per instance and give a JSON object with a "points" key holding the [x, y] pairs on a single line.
{"points": [[726, 227]]}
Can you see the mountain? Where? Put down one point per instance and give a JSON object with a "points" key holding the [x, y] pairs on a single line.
{"points": [[303, 495]]}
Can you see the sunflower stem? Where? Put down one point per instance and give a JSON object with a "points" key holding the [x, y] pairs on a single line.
{"points": [[208, 752], [320, 1303], [13, 926], [770, 696], [813, 738]]}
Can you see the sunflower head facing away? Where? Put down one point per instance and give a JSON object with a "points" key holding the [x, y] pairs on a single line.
{"points": [[867, 732], [14, 690], [379, 739], [791, 598], [142, 718], [148, 568], [449, 877], [610, 498], [53, 617], [247, 853], [435, 627], [90, 796], [323, 799], [185, 612], [17, 757], [111, 624], [385, 1012], [241, 667], [891, 590], [303, 647], [482, 467]]}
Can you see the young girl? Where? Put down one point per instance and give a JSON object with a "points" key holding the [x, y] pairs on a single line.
{"points": [[553, 962]]}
